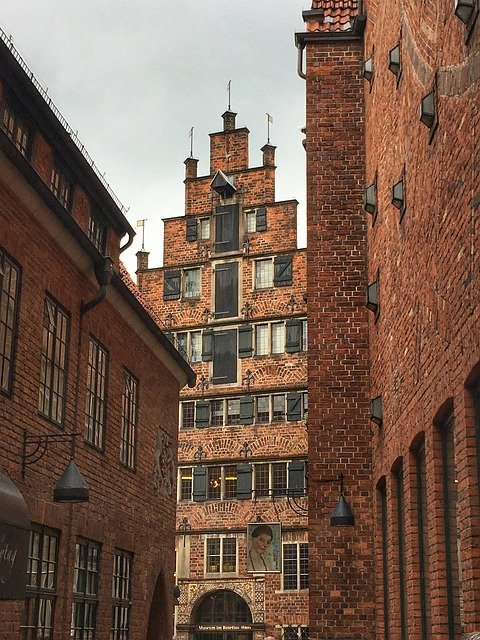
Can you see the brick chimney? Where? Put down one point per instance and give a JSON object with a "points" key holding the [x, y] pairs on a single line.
{"points": [[142, 260]]}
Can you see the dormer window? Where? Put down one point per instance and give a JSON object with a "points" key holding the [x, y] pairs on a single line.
{"points": [[16, 129], [97, 232], [61, 187]]}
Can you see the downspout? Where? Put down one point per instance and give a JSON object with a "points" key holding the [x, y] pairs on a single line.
{"points": [[103, 273], [300, 44], [131, 235]]}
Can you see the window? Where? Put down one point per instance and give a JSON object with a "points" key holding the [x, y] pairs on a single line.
{"points": [[261, 480], [85, 590], [181, 283], [233, 411], [195, 346], [16, 129], [189, 345], [97, 232], [261, 340], [182, 341], [204, 228], [216, 482], [262, 413], [382, 499], [9, 292], [256, 219], [402, 578], [278, 478], [451, 526], [295, 632], [226, 290], [62, 187], [129, 420], [224, 368], [41, 584], [53, 362], [423, 546], [263, 274], [278, 408], [295, 566], [226, 228], [278, 337], [221, 555], [121, 595], [191, 283], [185, 483], [216, 413], [187, 415], [96, 394]]}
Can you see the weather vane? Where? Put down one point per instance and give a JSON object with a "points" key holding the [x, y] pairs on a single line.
{"points": [[229, 83], [190, 135], [269, 121], [141, 223]]}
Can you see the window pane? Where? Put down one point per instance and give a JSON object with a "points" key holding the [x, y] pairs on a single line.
{"points": [[196, 346], [279, 476], [233, 410], [261, 339], [278, 408], [263, 409], [213, 555], [216, 413], [182, 344], [230, 480], [186, 484], [290, 567], [263, 274], [214, 483], [278, 337], [251, 219], [8, 318], [188, 415], [191, 283], [229, 560], [261, 480]]}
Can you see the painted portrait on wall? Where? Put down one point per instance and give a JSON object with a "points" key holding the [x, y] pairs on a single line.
{"points": [[264, 547]]}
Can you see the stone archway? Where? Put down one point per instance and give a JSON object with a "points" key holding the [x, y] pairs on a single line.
{"points": [[222, 615]]}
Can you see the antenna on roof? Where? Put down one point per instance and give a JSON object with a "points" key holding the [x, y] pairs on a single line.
{"points": [[229, 94], [190, 135], [141, 223]]}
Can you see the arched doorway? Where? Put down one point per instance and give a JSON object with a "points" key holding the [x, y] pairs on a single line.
{"points": [[222, 615]]}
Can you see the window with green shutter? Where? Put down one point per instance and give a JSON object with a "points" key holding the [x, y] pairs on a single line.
{"points": [[171, 285], [282, 271]]}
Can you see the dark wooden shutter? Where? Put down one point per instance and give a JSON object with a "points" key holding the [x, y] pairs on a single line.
{"points": [[191, 231], [246, 410], [202, 414], [199, 484], [224, 356], [226, 228], [226, 290], [244, 481], [282, 271], [294, 406], [261, 219], [171, 285], [245, 348], [293, 335], [207, 345], [296, 478]]}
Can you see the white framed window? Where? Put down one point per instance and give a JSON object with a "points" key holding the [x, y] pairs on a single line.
{"points": [[191, 283], [204, 228], [251, 220], [295, 566], [263, 273], [221, 556], [261, 340], [278, 337]]}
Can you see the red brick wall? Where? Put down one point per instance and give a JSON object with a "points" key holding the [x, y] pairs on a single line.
{"points": [[341, 559], [425, 346], [125, 509]]}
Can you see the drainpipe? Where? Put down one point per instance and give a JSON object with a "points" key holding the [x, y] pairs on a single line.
{"points": [[103, 273], [131, 235], [300, 44]]}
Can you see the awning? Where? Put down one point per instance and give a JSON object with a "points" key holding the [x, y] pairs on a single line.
{"points": [[14, 538]]}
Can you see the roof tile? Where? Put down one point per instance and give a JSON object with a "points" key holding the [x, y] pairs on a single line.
{"points": [[337, 15]]}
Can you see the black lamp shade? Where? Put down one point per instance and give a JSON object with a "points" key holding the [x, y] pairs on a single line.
{"points": [[342, 514], [464, 10], [394, 60], [71, 487], [398, 199], [427, 110], [376, 414], [370, 199], [372, 297], [368, 69]]}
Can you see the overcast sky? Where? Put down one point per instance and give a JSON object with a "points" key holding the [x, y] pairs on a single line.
{"points": [[133, 76]]}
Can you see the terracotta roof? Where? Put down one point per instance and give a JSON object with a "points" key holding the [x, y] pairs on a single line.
{"points": [[125, 276], [337, 15]]}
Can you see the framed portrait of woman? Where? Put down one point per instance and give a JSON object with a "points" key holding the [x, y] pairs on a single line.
{"points": [[264, 547]]}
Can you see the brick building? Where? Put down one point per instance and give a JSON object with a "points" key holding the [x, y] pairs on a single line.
{"points": [[79, 354], [393, 190], [231, 293]]}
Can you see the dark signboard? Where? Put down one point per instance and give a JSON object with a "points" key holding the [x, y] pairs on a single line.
{"points": [[14, 537]]}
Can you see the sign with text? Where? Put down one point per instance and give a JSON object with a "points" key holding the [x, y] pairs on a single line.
{"points": [[13, 561]]}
